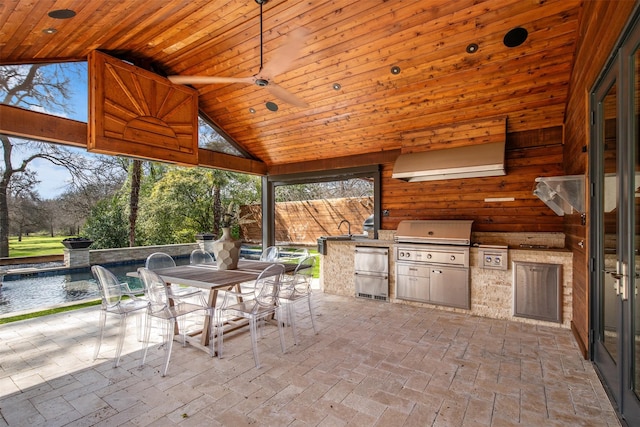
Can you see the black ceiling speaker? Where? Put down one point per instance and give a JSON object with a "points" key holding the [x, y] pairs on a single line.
{"points": [[515, 37]]}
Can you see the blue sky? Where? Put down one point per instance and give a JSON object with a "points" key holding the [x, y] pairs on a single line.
{"points": [[54, 179]]}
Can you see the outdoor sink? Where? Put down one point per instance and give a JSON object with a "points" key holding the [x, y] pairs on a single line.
{"points": [[340, 237], [347, 237]]}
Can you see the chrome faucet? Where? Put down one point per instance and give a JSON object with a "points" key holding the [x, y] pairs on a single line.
{"points": [[348, 223]]}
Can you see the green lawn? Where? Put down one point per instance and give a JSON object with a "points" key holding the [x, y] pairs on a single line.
{"points": [[36, 246]]}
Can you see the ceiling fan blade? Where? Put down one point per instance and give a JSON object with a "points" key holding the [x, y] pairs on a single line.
{"points": [[205, 80], [286, 96], [284, 56]]}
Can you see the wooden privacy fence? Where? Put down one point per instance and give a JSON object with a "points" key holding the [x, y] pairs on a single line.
{"points": [[301, 223]]}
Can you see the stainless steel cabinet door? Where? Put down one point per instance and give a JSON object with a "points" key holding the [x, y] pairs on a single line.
{"points": [[450, 286]]}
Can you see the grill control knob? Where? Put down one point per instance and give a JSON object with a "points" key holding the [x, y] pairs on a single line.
{"points": [[452, 257], [429, 256]]}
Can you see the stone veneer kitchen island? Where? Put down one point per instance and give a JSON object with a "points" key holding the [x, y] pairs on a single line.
{"points": [[491, 290]]}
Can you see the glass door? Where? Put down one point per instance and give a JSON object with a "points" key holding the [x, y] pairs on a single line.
{"points": [[615, 227], [605, 226]]}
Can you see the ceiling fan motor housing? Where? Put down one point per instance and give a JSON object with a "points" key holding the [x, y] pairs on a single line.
{"points": [[262, 82]]}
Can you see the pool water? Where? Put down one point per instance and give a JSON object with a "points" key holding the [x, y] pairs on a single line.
{"points": [[39, 290], [41, 287]]}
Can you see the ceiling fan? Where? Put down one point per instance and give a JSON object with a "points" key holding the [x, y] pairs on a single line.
{"points": [[281, 61]]}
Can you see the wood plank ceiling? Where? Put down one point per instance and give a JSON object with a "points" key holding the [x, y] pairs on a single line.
{"points": [[352, 43]]}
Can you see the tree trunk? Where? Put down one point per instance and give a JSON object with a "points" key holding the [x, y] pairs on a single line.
{"points": [[217, 209], [134, 197], [4, 215]]}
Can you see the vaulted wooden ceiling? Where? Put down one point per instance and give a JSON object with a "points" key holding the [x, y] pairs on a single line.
{"points": [[352, 43]]}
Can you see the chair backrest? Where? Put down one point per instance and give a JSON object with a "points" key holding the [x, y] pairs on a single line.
{"points": [[159, 260], [271, 254], [156, 289], [268, 285], [200, 256], [302, 254], [109, 286], [305, 267]]}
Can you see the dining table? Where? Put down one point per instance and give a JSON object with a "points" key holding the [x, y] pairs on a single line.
{"points": [[209, 277]]}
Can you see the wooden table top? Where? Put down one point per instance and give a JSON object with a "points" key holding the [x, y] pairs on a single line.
{"points": [[207, 276]]}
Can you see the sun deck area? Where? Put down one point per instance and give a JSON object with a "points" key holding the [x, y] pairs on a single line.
{"points": [[372, 363]]}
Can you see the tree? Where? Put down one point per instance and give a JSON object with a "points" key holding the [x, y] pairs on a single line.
{"points": [[39, 87], [182, 203], [107, 224]]}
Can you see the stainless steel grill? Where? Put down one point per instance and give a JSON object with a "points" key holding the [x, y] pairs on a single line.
{"points": [[432, 261]]}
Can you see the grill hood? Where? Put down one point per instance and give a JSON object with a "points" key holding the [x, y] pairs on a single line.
{"points": [[470, 161], [449, 232]]}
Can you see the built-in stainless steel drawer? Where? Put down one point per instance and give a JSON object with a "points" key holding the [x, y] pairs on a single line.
{"points": [[412, 270], [371, 259], [372, 286], [412, 282]]}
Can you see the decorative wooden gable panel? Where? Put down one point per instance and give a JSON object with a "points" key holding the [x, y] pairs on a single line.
{"points": [[137, 113]]}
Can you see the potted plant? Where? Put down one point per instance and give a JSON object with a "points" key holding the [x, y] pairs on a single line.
{"points": [[77, 242]]}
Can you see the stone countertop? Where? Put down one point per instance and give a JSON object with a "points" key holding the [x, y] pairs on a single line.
{"points": [[390, 243]]}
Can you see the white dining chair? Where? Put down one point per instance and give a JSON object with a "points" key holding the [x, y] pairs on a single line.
{"points": [[117, 300], [162, 307], [296, 289], [256, 305], [160, 260]]}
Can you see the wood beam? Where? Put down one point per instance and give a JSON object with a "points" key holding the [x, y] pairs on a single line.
{"points": [[27, 124], [21, 123], [366, 159], [216, 160]]}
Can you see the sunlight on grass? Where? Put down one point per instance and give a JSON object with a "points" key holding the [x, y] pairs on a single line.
{"points": [[47, 312], [36, 246]]}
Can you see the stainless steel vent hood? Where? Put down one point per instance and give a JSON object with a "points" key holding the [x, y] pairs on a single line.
{"points": [[470, 161]]}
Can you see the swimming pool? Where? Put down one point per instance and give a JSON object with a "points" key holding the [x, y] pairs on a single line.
{"points": [[44, 286], [42, 289]]}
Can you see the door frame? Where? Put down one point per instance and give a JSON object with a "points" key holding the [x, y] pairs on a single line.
{"points": [[619, 379]]}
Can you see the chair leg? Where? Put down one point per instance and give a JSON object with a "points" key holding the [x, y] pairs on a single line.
{"points": [[291, 310], [122, 331], [168, 345], [102, 321], [220, 331], [254, 340], [139, 326], [281, 333], [313, 323], [147, 333], [212, 349]]}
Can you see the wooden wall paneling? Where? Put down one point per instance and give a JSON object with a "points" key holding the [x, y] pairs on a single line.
{"points": [[139, 113], [456, 135], [528, 155]]}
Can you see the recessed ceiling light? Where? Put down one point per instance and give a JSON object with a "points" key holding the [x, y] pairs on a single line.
{"points": [[337, 86], [472, 48], [395, 70], [515, 37], [49, 30], [252, 110], [272, 106], [62, 14]]}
